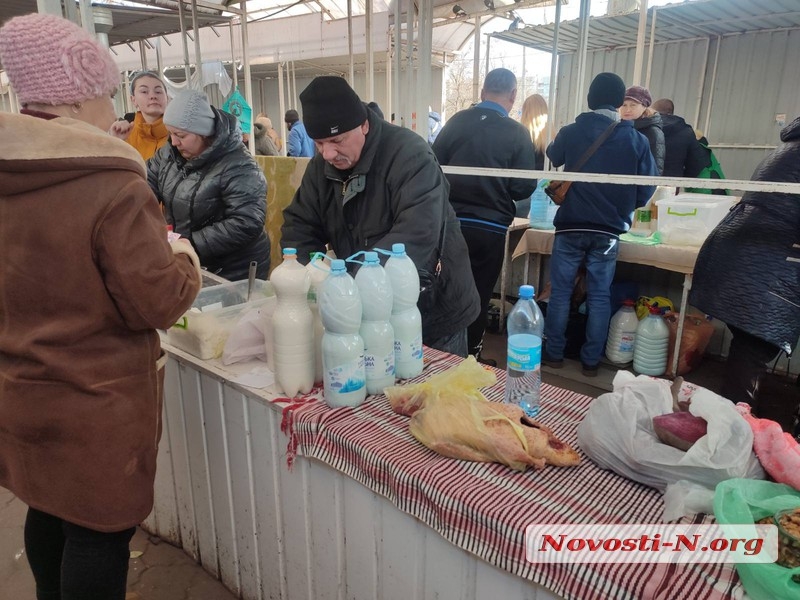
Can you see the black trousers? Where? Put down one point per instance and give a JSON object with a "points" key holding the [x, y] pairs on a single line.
{"points": [[747, 363], [486, 249], [70, 562]]}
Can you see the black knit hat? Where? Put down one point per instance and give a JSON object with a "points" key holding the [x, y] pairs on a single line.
{"points": [[331, 107], [607, 89], [291, 116]]}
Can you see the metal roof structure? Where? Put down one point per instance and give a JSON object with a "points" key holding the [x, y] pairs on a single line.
{"points": [[680, 21]]}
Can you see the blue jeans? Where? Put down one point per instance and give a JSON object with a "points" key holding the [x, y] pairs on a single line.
{"points": [[599, 251]]}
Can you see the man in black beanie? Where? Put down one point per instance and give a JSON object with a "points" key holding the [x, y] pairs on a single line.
{"points": [[592, 217], [370, 185]]}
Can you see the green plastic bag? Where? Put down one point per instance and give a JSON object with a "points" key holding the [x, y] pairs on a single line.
{"points": [[747, 501]]}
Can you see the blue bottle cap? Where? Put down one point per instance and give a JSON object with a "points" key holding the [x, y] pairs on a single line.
{"points": [[289, 251], [526, 292], [398, 249], [337, 265], [371, 258]]}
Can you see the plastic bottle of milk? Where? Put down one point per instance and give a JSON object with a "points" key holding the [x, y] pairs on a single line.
{"points": [[293, 326], [622, 334], [376, 328], [541, 214], [342, 347], [652, 345], [406, 319], [318, 271]]}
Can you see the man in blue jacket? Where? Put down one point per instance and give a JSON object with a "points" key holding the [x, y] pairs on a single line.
{"points": [[592, 217], [297, 143]]}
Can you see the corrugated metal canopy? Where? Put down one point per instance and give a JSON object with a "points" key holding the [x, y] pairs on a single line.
{"points": [[692, 19]]}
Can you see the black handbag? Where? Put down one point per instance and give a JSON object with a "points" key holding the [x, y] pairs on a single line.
{"points": [[429, 281]]}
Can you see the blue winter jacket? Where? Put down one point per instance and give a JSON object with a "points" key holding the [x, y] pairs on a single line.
{"points": [[298, 142], [603, 207]]}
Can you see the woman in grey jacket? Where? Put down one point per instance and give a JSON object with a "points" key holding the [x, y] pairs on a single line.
{"points": [[648, 122], [213, 192]]}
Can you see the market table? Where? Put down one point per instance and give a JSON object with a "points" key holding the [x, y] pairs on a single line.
{"points": [[678, 259], [373, 513]]}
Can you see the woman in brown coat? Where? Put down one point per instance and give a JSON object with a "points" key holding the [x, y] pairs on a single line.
{"points": [[86, 278]]}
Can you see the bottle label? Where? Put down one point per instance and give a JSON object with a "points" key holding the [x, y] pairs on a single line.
{"points": [[627, 341], [347, 377], [406, 351], [378, 367], [524, 352]]}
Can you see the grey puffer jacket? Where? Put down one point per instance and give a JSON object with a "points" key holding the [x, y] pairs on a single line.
{"points": [[395, 193], [651, 128], [217, 200], [748, 271]]}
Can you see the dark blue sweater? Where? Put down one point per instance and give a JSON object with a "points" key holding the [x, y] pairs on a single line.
{"points": [[602, 206]]}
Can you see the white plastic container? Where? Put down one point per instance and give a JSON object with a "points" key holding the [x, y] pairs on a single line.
{"points": [[651, 351], [344, 374], [293, 326], [687, 219], [203, 330], [376, 329], [406, 319], [318, 271], [622, 334]]}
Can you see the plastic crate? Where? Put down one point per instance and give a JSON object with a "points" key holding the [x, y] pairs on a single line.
{"points": [[687, 219]]}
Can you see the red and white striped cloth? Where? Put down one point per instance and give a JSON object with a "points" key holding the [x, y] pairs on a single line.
{"points": [[485, 507]]}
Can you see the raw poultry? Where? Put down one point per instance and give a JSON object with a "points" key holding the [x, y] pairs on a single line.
{"points": [[450, 416]]}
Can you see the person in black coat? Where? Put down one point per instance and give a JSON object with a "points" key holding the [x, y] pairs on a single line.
{"points": [[636, 108], [685, 156], [748, 273]]}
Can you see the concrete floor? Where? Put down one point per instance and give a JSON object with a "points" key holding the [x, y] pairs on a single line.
{"points": [[159, 571]]}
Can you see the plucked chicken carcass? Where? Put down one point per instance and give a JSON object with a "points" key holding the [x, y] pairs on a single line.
{"points": [[450, 416]]}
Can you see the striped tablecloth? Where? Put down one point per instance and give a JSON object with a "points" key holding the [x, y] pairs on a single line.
{"points": [[484, 508]]}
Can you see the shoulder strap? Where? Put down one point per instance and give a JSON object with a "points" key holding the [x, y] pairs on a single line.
{"points": [[593, 148]]}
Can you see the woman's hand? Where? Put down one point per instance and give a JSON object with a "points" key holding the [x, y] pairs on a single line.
{"points": [[120, 129]]}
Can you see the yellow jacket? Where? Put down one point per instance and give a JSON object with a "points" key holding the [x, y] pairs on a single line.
{"points": [[147, 137]]}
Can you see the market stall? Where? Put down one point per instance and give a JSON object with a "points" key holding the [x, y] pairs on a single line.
{"points": [[368, 512]]}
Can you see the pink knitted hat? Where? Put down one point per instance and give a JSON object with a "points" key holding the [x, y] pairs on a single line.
{"points": [[50, 60]]}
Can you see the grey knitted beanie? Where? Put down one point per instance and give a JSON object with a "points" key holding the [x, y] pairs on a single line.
{"points": [[190, 111]]}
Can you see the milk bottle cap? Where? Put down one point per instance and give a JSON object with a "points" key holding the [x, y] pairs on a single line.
{"points": [[337, 265], [371, 258], [398, 249], [525, 292], [289, 251]]}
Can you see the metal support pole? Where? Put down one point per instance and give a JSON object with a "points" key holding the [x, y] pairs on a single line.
{"points": [[488, 53], [350, 40], [186, 68], [424, 77], [51, 7], [198, 61], [370, 59], [553, 91], [143, 55], [281, 107], [581, 55], [248, 82], [408, 106], [639, 57], [652, 46], [476, 62], [397, 34], [234, 70]]}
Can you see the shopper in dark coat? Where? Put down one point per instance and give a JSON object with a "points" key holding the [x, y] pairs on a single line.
{"points": [[748, 272], [636, 108], [684, 156], [372, 184], [213, 192]]}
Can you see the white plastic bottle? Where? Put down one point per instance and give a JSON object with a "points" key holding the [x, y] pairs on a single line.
{"points": [[318, 271], [376, 328], [406, 319], [541, 215], [293, 326], [622, 334], [523, 371], [342, 347], [651, 351]]}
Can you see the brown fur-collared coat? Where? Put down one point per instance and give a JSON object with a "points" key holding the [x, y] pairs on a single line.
{"points": [[86, 278]]}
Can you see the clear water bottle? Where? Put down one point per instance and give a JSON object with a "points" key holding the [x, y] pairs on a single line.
{"points": [[293, 326], [622, 334], [541, 215], [406, 319], [651, 351], [524, 360], [344, 375], [318, 271], [376, 329]]}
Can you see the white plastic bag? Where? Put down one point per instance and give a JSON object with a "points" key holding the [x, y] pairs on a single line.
{"points": [[617, 434], [248, 338]]}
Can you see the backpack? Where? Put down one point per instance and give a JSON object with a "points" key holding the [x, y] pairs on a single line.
{"points": [[712, 171]]}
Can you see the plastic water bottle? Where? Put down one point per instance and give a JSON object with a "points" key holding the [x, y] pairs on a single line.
{"points": [[651, 351], [406, 319], [344, 375], [318, 271], [622, 334], [376, 329], [524, 360], [541, 215], [293, 326]]}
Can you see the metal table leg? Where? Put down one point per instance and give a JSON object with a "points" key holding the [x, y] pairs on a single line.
{"points": [[687, 285]]}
